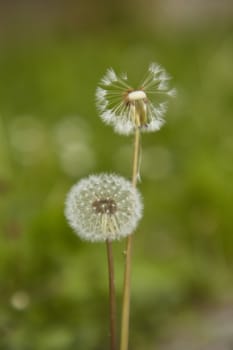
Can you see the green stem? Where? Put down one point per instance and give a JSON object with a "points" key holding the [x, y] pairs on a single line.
{"points": [[128, 256], [112, 296]]}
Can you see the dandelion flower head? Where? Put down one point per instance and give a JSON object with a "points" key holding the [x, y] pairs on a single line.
{"points": [[103, 207], [127, 108]]}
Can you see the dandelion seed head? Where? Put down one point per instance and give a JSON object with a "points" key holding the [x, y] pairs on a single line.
{"points": [[102, 207], [127, 108]]}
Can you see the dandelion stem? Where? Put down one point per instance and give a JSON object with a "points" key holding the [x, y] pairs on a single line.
{"points": [[128, 255], [112, 296]]}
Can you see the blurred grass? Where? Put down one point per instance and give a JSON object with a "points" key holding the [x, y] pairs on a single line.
{"points": [[53, 288]]}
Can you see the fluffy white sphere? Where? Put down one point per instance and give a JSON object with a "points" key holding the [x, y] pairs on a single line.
{"points": [[103, 207]]}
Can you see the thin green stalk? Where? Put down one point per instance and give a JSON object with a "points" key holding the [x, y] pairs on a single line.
{"points": [[112, 296], [128, 257]]}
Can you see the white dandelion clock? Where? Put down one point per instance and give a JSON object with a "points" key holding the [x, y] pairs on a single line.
{"points": [[127, 108], [103, 207]]}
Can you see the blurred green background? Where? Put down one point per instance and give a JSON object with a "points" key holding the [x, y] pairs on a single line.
{"points": [[53, 287]]}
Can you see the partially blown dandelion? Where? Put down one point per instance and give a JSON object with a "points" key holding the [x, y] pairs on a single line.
{"points": [[103, 207], [128, 108]]}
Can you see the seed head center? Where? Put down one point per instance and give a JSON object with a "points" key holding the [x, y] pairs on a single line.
{"points": [[136, 95], [104, 206]]}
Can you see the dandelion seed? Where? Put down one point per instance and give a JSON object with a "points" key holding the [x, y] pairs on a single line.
{"points": [[127, 108], [103, 207]]}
